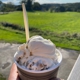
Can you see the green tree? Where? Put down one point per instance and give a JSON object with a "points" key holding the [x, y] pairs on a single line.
{"points": [[19, 8], [57, 9], [62, 8], [52, 9], [36, 6], [9, 7], [0, 2], [28, 4]]}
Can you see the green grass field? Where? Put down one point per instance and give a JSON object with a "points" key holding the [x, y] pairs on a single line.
{"points": [[58, 22], [61, 28]]}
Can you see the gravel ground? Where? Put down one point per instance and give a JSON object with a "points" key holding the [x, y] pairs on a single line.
{"points": [[7, 51]]}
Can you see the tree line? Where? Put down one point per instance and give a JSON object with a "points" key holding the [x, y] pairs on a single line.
{"points": [[35, 6], [30, 6]]}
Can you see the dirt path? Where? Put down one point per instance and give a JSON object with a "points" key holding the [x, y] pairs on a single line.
{"points": [[7, 51]]}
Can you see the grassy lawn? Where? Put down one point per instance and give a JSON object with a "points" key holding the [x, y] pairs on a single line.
{"points": [[57, 22], [61, 28], [9, 35]]}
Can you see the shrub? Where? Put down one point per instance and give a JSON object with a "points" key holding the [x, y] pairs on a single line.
{"points": [[13, 26]]}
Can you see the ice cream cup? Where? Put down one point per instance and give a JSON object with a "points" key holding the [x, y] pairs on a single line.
{"points": [[26, 74]]}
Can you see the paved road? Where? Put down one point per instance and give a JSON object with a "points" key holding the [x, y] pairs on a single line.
{"points": [[7, 51]]}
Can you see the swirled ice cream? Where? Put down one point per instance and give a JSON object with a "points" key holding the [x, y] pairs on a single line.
{"points": [[37, 54]]}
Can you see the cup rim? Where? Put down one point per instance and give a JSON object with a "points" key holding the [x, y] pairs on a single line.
{"points": [[44, 71]]}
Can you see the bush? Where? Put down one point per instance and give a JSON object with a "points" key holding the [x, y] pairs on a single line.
{"points": [[74, 35], [13, 26]]}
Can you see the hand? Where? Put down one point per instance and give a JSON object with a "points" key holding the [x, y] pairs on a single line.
{"points": [[13, 73]]}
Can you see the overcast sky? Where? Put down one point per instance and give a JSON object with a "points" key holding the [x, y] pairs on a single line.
{"points": [[43, 1]]}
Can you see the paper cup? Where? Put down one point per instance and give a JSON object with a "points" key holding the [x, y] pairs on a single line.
{"points": [[26, 74]]}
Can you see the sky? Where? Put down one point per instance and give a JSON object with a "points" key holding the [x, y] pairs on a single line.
{"points": [[43, 1]]}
